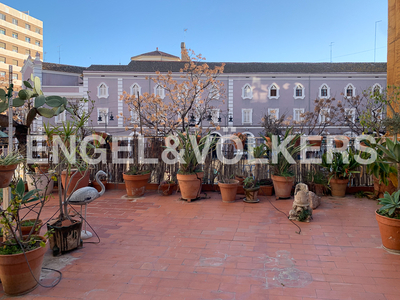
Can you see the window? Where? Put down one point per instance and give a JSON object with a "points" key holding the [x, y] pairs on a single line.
{"points": [[37, 43], [274, 113], [15, 62], [247, 116], [102, 112], [299, 91], [324, 115], [102, 91], [2, 31], [27, 26], [2, 17], [159, 91], [15, 49], [15, 76], [349, 90], [247, 92], [273, 92], [27, 51], [350, 114], [377, 89], [15, 35], [214, 93], [136, 89], [2, 45], [2, 60], [15, 21], [324, 91], [298, 114], [37, 30], [61, 117], [27, 39], [3, 74]]}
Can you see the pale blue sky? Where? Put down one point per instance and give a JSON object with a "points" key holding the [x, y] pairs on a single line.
{"points": [[111, 32]]}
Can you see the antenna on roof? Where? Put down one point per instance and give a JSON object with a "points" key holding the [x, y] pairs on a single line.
{"points": [[331, 49]]}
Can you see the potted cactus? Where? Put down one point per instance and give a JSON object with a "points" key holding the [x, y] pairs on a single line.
{"points": [[8, 164], [251, 188]]}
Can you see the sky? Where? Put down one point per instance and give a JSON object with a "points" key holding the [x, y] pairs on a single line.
{"points": [[87, 32]]}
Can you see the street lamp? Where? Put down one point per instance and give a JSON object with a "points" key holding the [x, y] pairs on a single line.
{"points": [[107, 116], [227, 116]]}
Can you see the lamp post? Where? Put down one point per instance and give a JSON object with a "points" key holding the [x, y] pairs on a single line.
{"points": [[227, 116], [107, 116]]}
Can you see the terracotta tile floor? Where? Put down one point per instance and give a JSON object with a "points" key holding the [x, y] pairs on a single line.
{"points": [[163, 248]]}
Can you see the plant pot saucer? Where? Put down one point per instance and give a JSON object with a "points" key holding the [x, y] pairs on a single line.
{"points": [[256, 201]]}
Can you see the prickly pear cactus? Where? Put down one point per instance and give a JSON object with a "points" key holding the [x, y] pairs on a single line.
{"points": [[56, 104]]}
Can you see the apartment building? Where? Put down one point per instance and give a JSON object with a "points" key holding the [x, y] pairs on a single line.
{"points": [[20, 36]]}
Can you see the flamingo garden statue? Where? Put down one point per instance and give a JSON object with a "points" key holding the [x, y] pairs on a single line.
{"points": [[84, 196]]}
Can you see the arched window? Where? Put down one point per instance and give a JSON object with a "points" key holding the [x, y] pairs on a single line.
{"points": [[102, 90], [299, 91], [349, 90], [136, 89], [247, 92], [376, 89], [324, 91], [273, 92], [159, 91]]}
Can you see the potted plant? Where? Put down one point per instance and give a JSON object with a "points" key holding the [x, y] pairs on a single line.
{"points": [[339, 171], [167, 187], [250, 190], [21, 253], [388, 218], [266, 187], [190, 175], [242, 137], [282, 170], [317, 182], [228, 188], [239, 176], [8, 164], [136, 179]]}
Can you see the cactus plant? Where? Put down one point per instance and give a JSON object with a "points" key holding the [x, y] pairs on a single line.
{"points": [[58, 104]]}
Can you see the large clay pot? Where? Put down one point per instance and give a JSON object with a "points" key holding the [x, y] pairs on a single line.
{"points": [[26, 230], [190, 185], [339, 143], [136, 184], [251, 195], [83, 183], [97, 185], [42, 168], [66, 235], [240, 179], [6, 174], [228, 190], [266, 190], [282, 186], [15, 275], [390, 231], [43, 182], [315, 141], [381, 188], [338, 187]]}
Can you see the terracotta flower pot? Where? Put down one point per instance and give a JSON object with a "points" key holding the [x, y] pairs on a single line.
{"points": [[339, 143], [319, 189], [6, 174], [228, 190], [381, 188], [315, 141], [42, 168], [97, 185], [190, 185], [240, 179], [167, 188], [74, 180], [66, 235], [282, 186], [136, 184], [251, 195], [27, 229], [267, 190], [338, 187], [390, 231], [15, 275]]}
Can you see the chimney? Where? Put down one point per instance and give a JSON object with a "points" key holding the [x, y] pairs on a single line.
{"points": [[184, 52]]}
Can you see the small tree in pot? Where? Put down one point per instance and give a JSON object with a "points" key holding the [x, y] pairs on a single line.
{"points": [[251, 188]]}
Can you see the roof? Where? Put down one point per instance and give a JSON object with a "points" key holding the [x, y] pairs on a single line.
{"points": [[156, 53], [249, 67], [62, 68]]}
